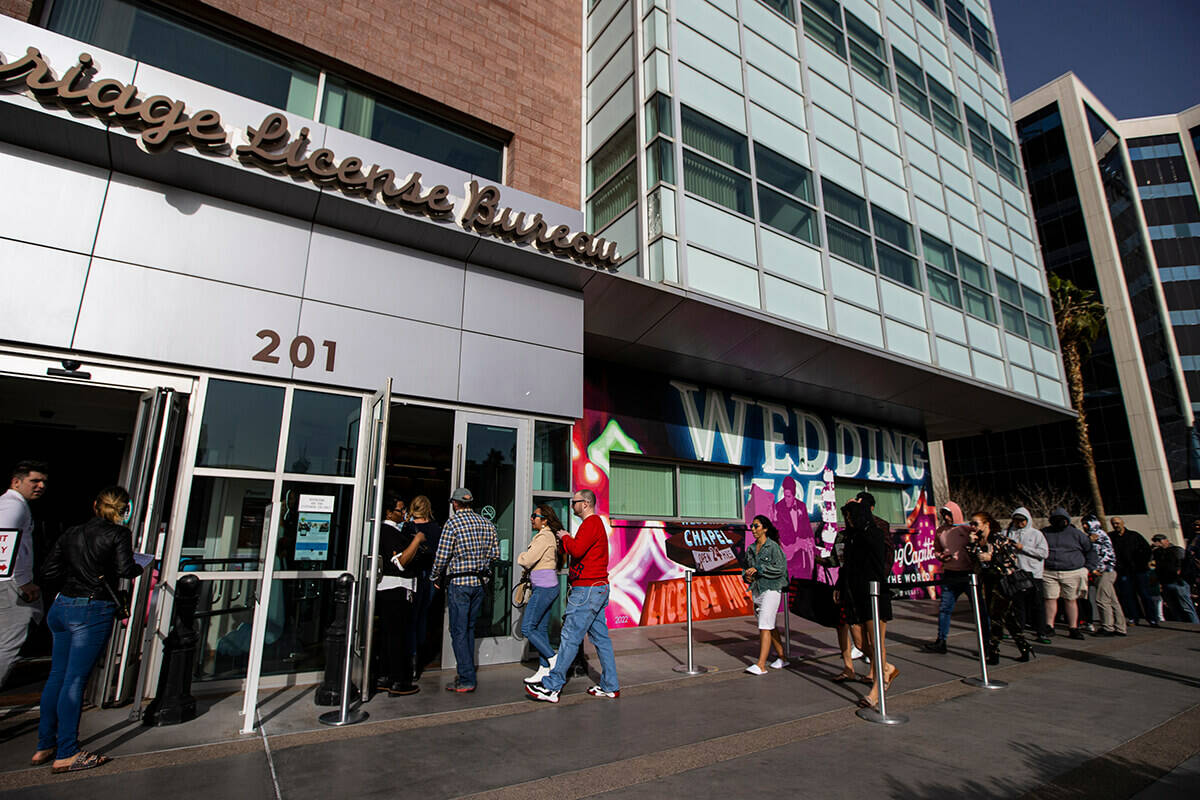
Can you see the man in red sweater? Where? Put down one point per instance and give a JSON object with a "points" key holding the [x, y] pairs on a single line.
{"points": [[587, 600]]}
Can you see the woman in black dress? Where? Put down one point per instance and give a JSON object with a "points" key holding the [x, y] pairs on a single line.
{"points": [[866, 558]]}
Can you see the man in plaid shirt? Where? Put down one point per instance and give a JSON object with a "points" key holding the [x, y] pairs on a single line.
{"points": [[466, 549]]}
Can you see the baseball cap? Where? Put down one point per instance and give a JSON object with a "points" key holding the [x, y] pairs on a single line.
{"points": [[462, 495], [1158, 537]]}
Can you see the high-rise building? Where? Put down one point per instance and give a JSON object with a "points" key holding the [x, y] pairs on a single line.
{"points": [[688, 255], [1116, 213]]}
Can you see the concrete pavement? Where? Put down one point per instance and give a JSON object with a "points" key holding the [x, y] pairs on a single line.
{"points": [[1099, 718]]}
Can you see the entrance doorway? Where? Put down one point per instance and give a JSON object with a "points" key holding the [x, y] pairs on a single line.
{"points": [[90, 436]]}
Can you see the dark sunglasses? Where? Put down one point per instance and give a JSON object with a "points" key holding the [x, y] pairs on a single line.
{"points": [[536, 515]]}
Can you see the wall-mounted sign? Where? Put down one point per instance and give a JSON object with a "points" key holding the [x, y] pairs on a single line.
{"points": [[9, 538], [312, 526], [162, 121], [704, 547]]}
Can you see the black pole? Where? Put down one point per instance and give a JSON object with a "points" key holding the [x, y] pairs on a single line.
{"points": [[173, 702], [329, 693]]}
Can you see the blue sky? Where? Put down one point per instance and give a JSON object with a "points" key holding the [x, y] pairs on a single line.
{"points": [[1139, 58]]}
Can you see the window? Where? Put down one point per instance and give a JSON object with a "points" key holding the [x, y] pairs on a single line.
{"points": [[407, 128], [892, 229], [713, 182], [898, 266], [551, 457], [992, 147], [660, 162], [844, 205], [943, 287], [979, 304], [784, 7], [1039, 333], [848, 243], [611, 156], [323, 435], [889, 499], [641, 489], [658, 117], [783, 173], [714, 139], [938, 253], [1008, 290], [186, 47], [945, 110], [867, 53], [1013, 319], [1034, 303], [614, 197], [240, 427], [974, 272], [824, 32], [784, 214], [614, 158], [974, 33]]}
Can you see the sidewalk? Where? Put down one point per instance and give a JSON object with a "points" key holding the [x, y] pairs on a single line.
{"points": [[1124, 712]]}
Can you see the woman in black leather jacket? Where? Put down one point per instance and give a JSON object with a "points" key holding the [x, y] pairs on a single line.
{"points": [[90, 560]]}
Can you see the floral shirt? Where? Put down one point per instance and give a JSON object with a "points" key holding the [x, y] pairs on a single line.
{"points": [[1104, 552]]}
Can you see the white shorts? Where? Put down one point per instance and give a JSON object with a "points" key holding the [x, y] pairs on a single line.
{"points": [[767, 606]]}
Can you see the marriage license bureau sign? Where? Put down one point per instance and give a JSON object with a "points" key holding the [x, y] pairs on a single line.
{"points": [[163, 121]]}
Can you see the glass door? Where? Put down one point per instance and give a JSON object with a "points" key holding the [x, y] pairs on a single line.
{"points": [[371, 515], [492, 459]]}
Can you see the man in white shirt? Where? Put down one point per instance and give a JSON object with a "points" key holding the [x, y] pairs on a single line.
{"points": [[20, 597]]}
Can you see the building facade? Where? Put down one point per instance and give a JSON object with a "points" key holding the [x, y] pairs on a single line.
{"points": [[688, 255], [1114, 203]]}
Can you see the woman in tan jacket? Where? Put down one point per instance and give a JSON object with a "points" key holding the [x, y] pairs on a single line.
{"points": [[541, 559]]}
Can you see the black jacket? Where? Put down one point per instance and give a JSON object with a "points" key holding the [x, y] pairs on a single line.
{"points": [[1132, 552], [81, 557]]}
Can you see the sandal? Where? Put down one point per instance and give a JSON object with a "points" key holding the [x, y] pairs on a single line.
{"points": [[844, 677], [38, 761], [865, 703], [887, 679], [84, 760]]}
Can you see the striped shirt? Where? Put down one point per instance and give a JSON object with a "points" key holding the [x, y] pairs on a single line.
{"points": [[468, 545]]}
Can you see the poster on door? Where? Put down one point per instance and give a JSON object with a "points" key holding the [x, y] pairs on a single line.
{"points": [[312, 528]]}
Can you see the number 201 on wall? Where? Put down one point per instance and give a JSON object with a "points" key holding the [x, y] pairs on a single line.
{"points": [[302, 351]]}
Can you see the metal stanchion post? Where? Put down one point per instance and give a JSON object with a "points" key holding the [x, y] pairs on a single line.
{"points": [[346, 715], [690, 668], [983, 682], [880, 717], [787, 622]]}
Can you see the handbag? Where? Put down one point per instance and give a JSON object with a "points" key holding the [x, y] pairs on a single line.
{"points": [[813, 600], [521, 591], [1016, 582]]}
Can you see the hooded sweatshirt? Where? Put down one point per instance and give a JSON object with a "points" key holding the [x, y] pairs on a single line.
{"points": [[1034, 549], [1070, 548], [951, 543]]}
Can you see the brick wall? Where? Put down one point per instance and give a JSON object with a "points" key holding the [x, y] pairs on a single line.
{"points": [[512, 63]]}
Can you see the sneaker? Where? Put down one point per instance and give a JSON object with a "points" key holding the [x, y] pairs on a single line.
{"points": [[1043, 639], [1075, 633], [459, 687], [855, 653], [537, 676], [936, 646], [779, 663], [754, 669], [596, 691], [539, 692]]}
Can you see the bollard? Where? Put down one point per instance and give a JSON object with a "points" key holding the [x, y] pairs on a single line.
{"points": [[337, 640], [345, 715], [173, 702], [983, 682], [690, 668], [880, 717]]}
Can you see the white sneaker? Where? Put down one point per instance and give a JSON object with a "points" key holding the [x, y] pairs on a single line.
{"points": [[855, 653], [537, 676], [778, 663], [753, 669]]}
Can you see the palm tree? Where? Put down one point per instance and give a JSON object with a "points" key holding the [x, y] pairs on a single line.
{"points": [[1079, 317]]}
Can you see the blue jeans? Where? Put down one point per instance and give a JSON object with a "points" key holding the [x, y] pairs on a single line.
{"points": [[1133, 587], [957, 583], [585, 615], [1178, 599], [535, 625], [80, 628], [464, 603]]}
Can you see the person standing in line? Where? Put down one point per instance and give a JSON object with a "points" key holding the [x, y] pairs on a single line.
{"points": [[950, 547], [20, 597], [1103, 591], [586, 604], [541, 559], [421, 519], [766, 572], [466, 550], [849, 634], [90, 559], [395, 597], [997, 556], [1031, 557], [867, 558], [1168, 565], [1071, 558], [1133, 573]]}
